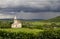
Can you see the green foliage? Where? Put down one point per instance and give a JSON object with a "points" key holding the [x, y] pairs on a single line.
{"points": [[5, 24], [31, 24], [45, 34], [19, 33], [56, 19]]}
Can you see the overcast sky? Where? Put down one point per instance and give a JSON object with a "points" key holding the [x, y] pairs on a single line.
{"points": [[29, 9]]}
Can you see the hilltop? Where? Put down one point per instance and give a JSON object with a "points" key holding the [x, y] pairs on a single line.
{"points": [[55, 19]]}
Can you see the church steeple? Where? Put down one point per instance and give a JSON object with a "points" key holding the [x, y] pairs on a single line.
{"points": [[15, 17]]}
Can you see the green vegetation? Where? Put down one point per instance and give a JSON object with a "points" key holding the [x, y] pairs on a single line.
{"points": [[29, 34], [5, 24], [44, 29], [56, 19], [54, 22], [26, 30]]}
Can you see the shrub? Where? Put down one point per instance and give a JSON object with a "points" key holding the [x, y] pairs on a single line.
{"points": [[46, 34]]}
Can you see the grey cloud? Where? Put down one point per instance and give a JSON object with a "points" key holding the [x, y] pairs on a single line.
{"points": [[5, 16], [31, 9], [12, 3], [23, 15], [30, 3]]}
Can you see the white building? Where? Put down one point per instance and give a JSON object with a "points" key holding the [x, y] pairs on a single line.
{"points": [[16, 24]]}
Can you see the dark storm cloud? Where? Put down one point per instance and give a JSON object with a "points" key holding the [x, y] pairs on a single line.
{"points": [[30, 5], [23, 15], [29, 9]]}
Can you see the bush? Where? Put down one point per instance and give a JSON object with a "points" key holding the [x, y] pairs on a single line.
{"points": [[5, 24], [14, 35], [46, 34], [50, 34]]}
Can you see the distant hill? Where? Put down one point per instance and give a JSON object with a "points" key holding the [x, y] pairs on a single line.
{"points": [[32, 19], [23, 19], [55, 19]]}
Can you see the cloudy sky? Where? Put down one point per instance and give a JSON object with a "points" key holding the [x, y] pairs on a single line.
{"points": [[29, 9]]}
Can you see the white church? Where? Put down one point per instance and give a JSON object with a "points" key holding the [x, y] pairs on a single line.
{"points": [[16, 24]]}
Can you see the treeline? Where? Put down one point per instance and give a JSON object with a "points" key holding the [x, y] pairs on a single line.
{"points": [[46, 34], [7, 24], [44, 26]]}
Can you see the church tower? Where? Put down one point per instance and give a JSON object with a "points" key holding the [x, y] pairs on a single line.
{"points": [[16, 24], [15, 20]]}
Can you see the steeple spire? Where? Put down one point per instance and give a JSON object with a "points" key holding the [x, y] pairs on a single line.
{"points": [[15, 17]]}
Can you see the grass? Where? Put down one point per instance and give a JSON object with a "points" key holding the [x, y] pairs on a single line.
{"points": [[26, 30], [43, 23]]}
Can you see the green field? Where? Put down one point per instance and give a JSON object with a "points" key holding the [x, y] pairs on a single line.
{"points": [[45, 29], [43, 23], [26, 30], [25, 33]]}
